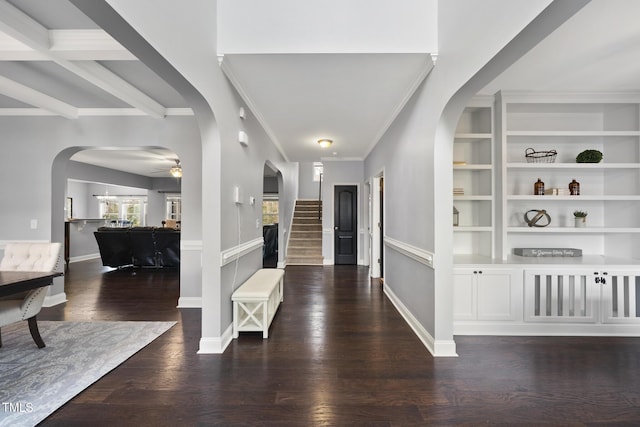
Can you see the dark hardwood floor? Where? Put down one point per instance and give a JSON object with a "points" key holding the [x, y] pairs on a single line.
{"points": [[338, 354]]}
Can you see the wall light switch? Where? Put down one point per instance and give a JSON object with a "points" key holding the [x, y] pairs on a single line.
{"points": [[34, 224]]}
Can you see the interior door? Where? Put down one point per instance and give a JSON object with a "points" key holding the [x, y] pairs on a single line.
{"points": [[345, 224]]}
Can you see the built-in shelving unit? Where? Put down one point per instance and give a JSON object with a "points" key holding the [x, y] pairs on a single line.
{"points": [[499, 293], [609, 191], [473, 173]]}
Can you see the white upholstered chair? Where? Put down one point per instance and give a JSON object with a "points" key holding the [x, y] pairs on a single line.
{"points": [[27, 257]]}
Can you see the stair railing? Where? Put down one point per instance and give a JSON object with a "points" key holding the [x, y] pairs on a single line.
{"points": [[320, 198]]}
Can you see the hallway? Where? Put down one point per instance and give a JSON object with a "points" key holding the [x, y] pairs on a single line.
{"points": [[338, 354]]}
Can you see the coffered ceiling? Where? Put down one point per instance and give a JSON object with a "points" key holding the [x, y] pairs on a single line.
{"points": [[54, 60]]}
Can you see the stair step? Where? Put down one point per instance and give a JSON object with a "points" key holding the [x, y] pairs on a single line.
{"points": [[302, 221], [305, 242], [305, 260], [306, 227]]}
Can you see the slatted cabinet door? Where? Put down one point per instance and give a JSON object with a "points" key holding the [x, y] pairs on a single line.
{"points": [[582, 296], [620, 298], [560, 296]]}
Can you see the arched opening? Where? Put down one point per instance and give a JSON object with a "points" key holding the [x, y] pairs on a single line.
{"points": [[271, 190], [121, 188]]}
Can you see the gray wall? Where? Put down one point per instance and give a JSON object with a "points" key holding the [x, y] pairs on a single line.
{"points": [[308, 187], [43, 145], [341, 173]]}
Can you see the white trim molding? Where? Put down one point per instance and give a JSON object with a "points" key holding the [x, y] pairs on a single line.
{"points": [[241, 250], [81, 258], [189, 302], [436, 348], [190, 245], [52, 300], [422, 256], [216, 345]]}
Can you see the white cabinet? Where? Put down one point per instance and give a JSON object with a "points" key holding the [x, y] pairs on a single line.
{"points": [[473, 179], [609, 191], [582, 296], [487, 294]]}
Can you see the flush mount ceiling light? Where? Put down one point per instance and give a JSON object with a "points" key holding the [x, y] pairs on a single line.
{"points": [[324, 143]]}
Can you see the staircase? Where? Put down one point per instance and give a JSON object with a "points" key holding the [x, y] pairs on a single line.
{"points": [[305, 240]]}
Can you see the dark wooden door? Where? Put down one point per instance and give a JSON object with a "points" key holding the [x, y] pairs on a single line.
{"points": [[345, 224]]}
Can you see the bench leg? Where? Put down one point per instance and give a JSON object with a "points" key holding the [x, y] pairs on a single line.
{"points": [[235, 320], [265, 320], [35, 333]]}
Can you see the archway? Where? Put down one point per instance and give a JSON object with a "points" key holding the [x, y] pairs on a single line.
{"points": [[271, 230]]}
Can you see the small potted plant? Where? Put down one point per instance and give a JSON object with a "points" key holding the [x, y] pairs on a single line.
{"points": [[580, 218], [589, 156]]}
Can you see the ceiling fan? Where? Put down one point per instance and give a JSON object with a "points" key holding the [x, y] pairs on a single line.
{"points": [[176, 170]]}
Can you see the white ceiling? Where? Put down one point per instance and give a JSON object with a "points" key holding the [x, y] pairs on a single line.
{"points": [[348, 98], [298, 98], [598, 49]]}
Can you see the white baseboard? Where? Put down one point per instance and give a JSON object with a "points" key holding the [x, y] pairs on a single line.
{"points": [[216, 345], [189, 302], [327, 261], [81, 258], [51, 300], [438, 348], [282, 264]]}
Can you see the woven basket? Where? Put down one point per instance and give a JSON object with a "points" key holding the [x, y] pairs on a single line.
{"points": [[534, 156]]}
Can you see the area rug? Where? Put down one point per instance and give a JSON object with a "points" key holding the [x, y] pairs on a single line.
{"points": [[35, 382]]}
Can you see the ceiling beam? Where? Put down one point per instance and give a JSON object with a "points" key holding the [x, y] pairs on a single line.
{"points": [[29, 32], [72, 45], [31, 96]]}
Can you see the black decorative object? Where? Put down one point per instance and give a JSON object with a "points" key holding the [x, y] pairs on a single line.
{"points": [[538, 188], [589, 156], [539, 214], [574, 188]]}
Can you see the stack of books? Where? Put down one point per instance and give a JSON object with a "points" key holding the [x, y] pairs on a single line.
{"points": [[557, 192], [458, 191]]}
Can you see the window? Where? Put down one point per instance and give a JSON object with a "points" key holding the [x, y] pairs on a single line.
{"points": [[318, 168], [123, 211], [270, 208], [174, 208]]}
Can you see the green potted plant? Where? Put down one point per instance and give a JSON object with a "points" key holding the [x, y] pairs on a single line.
{"points": [[589, 156], [580, 218]]}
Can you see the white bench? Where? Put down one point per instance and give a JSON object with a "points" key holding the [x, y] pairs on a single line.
{"points": [[255, 302]]}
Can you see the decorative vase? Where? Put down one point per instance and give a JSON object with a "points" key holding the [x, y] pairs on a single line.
{"points": [[581, 221], [574, 188]]}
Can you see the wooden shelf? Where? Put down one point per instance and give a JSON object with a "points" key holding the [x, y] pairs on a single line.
{"points": [[574, 230], [463, 228], [581, 198], [472, 167], [580, 133], [579, 166]]}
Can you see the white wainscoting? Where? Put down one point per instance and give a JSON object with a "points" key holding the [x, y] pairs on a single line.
{"points": [[241, 250], [436, 348], [216, 345], [422, 256], [81, 258]]}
